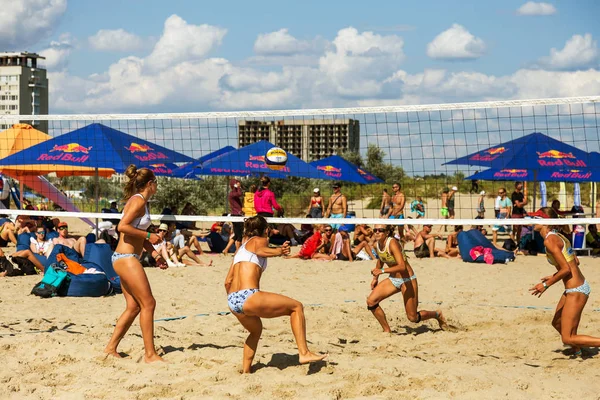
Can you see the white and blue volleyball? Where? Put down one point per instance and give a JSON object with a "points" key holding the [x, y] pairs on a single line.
{"points": [[276, 158]]}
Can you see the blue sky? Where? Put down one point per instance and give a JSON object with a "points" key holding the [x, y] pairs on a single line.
{"points": [[184, 55]]}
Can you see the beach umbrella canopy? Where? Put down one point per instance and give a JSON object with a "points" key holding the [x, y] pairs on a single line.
{"points": [[163, 169], [23, 136], [548, 175], [533, 152], [189, 170], [94, 146], [250, 160], [340, 169]]}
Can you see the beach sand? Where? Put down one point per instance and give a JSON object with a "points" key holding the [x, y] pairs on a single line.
{"points": [[53, 348], [503, 345]]}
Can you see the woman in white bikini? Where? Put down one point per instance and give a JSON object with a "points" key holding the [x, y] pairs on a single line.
{"points": [[401, 279], [126, 262], [249, 304], [577, 290]]}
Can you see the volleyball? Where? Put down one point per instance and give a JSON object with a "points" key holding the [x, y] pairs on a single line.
{"points": [[276, 158]]}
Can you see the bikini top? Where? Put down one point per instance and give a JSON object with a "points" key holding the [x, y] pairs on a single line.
{"points": [[386, 255], [567, 250], [315, 201], [245, 255], [144, 221]]}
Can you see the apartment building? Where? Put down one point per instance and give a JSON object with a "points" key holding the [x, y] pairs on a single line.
{"points": [[23, 88], [307, 139]]}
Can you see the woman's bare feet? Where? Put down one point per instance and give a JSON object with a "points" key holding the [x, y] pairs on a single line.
{"points": [[441, 320], [311, 357], [153, 358], [112, 353]]}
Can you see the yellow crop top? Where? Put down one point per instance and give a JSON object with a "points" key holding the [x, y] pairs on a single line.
{"points": [[567, 251], [386, 255]]}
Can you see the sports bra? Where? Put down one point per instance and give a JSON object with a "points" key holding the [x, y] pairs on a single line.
{"points": [[245, 255], [567, 250], [144, 221], [386, 255]]}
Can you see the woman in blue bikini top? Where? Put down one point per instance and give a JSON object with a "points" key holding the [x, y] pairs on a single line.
{"points": [[249, 304]]}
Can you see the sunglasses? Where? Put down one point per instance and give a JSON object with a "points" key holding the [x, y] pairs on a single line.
{"points": [[40, 232], [63, 228], [162, 230], [380, 230], [328, 230], [501, 192]]}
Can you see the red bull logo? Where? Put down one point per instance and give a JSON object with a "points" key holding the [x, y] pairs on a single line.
{"points": [[139, 148], [559, 159], [256, 158], [496, 150], [160, 169], [330, 170], [66, 153], [71, 148], [511, 173], [489, 154], [147, 153]]}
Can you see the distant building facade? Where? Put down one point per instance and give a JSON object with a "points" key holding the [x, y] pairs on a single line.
{"points": [[309, 139], [23, 88]]}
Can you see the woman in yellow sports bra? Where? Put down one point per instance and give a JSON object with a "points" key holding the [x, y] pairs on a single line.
{"points": [[577, 290], [401, 279]]}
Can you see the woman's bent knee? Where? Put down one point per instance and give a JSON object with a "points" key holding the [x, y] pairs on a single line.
{"points": [[413, 317]]}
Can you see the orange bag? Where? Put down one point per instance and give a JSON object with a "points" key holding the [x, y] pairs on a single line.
{"points": [[72, 266]]}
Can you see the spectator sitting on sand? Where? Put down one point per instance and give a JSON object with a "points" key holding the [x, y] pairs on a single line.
{"points": [[452, 242], [425, 244], [77, 244]]}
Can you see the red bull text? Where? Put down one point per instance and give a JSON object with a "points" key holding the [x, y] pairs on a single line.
{"points": [[573, 174], [511, 173], [65, 153], [147, 153], [559, 159]]}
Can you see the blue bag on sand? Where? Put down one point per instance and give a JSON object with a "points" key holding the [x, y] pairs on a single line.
{"points": [[55, 283]]}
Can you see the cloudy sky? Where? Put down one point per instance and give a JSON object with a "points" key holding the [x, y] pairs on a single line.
{"points": [[185, 55]]}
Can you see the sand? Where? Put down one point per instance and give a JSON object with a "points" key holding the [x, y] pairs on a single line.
{"points": [[503, 345], [52, 348]]}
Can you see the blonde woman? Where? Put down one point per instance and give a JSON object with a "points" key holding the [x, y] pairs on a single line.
{"points": [[133, 238]]}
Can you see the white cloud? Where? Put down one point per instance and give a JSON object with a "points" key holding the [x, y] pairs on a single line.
{"points": [[115, 40], [181, 41], [57, 54], [456, 43], [536, 8], [24, 23], [359, 62], [579, 52], [279, 43]]}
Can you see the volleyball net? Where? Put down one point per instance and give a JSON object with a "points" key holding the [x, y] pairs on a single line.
{"points": [[446, 160]]}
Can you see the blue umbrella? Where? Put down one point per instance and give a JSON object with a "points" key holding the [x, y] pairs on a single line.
{"points": [[163, 169], [549, 175], [339, 168], [250, 160], [96, 146], [533, 152], [190, 170]]}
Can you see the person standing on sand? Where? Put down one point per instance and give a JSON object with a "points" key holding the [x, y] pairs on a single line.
{"points": [[577, 289], [133, 239], [386, 201], [249, 304], [398, 203], [338, 204], [401, 278]]}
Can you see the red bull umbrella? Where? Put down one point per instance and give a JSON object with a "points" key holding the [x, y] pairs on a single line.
{"points": [[95, 146], [533, 152]]}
